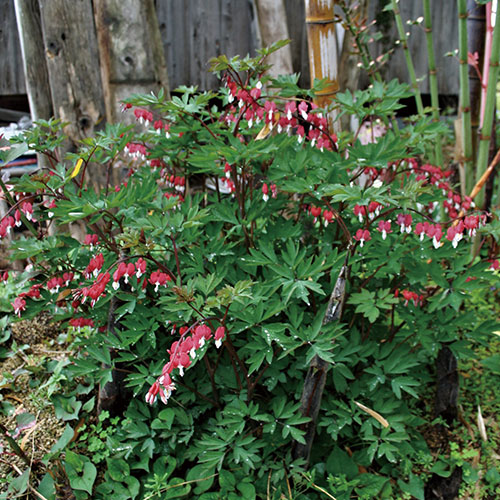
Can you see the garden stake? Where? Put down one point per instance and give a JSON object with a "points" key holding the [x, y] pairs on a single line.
{"points": [[486, 128], [480, 183], [314, 383]]}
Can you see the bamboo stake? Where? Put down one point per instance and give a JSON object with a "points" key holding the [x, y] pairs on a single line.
{"points": [[411, 69], [321, 38], [465, 95], [486, 129], [433, 83], [480, 183]]}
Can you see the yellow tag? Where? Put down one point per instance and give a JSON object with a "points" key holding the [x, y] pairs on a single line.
{"points": [[76, 169]]}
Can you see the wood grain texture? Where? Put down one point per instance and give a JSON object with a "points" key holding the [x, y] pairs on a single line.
{"points": [[274, 27], [12, 79], [194, 31], [295, 16], [73, 65], [33, 57], [131, 51]]}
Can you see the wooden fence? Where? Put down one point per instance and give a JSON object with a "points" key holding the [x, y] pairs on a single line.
{"points": [[193, 31]]}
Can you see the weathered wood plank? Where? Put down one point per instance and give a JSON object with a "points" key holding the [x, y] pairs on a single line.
{"points": [[33, 57], [131, 51], [73, 65], [273, 27], [12, 80], [200, 30], [173, 29], [295, 15]]}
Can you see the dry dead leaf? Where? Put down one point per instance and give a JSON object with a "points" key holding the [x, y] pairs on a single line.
{"points": [[373, 413], [480, 424]]}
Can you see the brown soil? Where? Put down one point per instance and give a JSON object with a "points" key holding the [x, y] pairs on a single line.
{"points": [[16, 372]]}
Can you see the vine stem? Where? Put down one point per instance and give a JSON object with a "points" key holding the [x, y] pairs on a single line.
{"points": [[364, 53], [11, 200], [15, 447]]}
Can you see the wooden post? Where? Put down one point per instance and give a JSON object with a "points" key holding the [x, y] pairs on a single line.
{"points": [[323, 54], [273, 27], [36, 75], [73, 65], [131, 50], [35, 66]]}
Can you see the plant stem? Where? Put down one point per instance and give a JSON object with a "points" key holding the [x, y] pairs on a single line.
{"points": [[11, 200], [15, 447], [465, 96], [364, 54], [486, 128], [409, 62], [433, 83]]}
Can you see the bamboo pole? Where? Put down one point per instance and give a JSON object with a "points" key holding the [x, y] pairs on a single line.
{"points": [[476, 32], [433, 83], [409, 63], [486, 60], [486, 129], [467, 152], [322, 43]]}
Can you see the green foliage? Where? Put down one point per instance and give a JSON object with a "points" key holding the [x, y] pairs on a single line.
{"points": [[264, 270]]}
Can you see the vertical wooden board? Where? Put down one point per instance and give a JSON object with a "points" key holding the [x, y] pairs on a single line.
{"points": [[211, 42], [204, 40], [12, 79], [130, 58], [445, 31], [273, 26], [131, 51], [296, 20], [33, 57], [172, 21], [73, 65], [236, 28], [197, 26]]}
